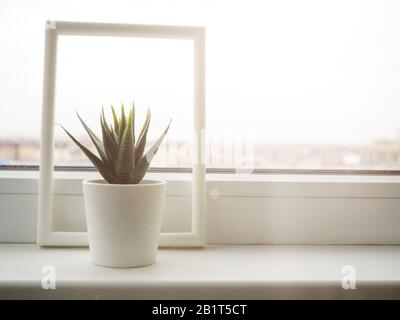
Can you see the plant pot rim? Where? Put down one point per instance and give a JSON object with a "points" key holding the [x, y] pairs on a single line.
{"points": [[143, 184]]}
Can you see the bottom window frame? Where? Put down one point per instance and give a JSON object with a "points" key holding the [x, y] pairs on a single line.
{"points": [[244, 209]]}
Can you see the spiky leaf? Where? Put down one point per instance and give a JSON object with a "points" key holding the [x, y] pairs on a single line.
{"points": [[96, 141], [116, 121], [133, 126], [122, 125], [141, 143], [139, 171], [110, 146], [101, 167], [113, 135]]}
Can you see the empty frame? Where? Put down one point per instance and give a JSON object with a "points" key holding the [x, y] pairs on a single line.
{"points": [[46, 235]]}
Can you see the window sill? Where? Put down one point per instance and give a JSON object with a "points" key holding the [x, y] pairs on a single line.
{"points": [[215, 272]]}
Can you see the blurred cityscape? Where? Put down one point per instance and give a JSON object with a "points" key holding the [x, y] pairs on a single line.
{"points": [[379, 155]]}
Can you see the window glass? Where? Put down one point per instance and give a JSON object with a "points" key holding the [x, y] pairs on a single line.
{"points": [[311, 84]]}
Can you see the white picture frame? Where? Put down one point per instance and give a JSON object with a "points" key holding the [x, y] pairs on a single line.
{"points": [[46, 236]]}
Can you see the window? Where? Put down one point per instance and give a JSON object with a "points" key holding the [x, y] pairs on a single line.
{"points": [[290, 84]]}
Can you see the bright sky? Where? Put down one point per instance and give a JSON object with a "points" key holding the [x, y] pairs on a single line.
{"points": [[298, 71], [155, 73]]}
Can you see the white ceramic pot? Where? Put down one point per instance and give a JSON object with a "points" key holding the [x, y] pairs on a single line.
{"points": [[123, 221]]}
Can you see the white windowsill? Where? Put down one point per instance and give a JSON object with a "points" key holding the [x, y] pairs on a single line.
{"points": [[215, 272]]}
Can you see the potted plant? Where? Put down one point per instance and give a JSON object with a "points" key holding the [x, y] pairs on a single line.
{"points": [[123, 211]]}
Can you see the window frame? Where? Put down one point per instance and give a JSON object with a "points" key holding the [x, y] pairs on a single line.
{"points": [[246, 209], [255, 171]]}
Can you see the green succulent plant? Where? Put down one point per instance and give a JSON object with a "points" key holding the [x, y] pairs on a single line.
{"points": [[121, 158]]}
